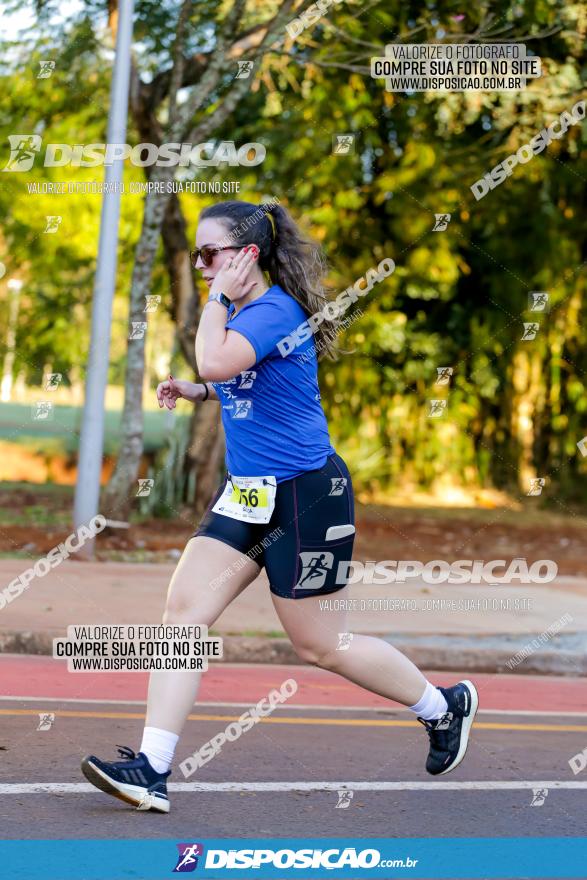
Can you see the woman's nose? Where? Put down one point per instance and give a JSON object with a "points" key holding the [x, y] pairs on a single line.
{"points": [[199, 262]]}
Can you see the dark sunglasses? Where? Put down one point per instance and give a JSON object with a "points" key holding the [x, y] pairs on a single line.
{"points": [[207, 253]]}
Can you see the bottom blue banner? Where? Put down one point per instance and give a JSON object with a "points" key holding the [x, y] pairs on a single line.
{"points": [[276, 858]]}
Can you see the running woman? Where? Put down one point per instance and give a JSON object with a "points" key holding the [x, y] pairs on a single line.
{"points": [[287, 491]]}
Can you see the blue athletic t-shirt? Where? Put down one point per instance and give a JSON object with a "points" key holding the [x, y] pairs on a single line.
{"points": [[272, 415]]}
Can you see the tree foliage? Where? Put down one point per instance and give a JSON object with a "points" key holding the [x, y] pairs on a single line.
{"points": [[458, 298]]}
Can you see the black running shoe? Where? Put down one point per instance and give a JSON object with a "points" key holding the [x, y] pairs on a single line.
{"points": [[449, 735], [132, 780]]}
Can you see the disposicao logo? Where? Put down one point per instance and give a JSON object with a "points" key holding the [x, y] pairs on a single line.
{"points": [[187, 859], [24, 149]]}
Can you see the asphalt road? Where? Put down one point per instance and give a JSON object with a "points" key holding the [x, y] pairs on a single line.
{"points": [[283, 777]]}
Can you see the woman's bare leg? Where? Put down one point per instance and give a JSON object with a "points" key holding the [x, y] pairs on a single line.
{"points": [[196, 596], [367, 661]]}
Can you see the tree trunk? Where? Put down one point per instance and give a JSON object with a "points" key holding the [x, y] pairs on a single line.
{"points": [[206, 445], [118, 495], [185, 303], [205, 454], [526, 381]]}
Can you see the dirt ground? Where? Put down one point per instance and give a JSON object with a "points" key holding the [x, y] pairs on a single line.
{"points": [[35, 519]]}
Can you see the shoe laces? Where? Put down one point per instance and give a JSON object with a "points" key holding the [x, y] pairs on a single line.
{"points": [[433, 724], [126, 753]]}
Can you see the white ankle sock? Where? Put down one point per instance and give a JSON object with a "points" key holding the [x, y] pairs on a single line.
{"points": [[159, 746], [431, 704]]}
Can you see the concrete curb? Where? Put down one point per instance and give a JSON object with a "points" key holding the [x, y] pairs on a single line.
{"points": [[562, 655], [526, 654]]}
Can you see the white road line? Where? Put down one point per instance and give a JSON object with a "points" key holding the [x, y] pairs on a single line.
{"points": [[212, 787], [287, 707]]}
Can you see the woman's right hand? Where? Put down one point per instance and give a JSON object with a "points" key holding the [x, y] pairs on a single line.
{"points": [[169, 391]]}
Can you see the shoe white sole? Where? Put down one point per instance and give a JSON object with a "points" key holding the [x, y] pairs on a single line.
{"points": [[136, 795], [466, 728]]}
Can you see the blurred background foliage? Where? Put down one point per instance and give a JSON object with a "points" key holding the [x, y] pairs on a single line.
{"points": [[458, 298]]}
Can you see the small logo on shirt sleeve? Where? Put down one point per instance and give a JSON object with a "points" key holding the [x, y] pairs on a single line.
{"points": [[247, 378]]}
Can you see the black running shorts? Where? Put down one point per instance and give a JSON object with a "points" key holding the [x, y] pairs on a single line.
{"points": [[305, 546]]}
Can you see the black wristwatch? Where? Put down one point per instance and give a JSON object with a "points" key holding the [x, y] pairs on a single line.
{"points": [[220, 298]]}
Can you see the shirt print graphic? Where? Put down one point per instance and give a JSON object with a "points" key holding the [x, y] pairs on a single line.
{"points": [[237, 406]]}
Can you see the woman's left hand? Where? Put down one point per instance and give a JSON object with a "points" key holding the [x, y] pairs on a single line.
{"points": [[232, 278]]}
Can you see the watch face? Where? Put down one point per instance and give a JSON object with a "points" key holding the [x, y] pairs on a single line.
{"points": [[221, 298]]}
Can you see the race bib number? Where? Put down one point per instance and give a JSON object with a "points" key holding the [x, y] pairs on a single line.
{"points": [[250, 499]]}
